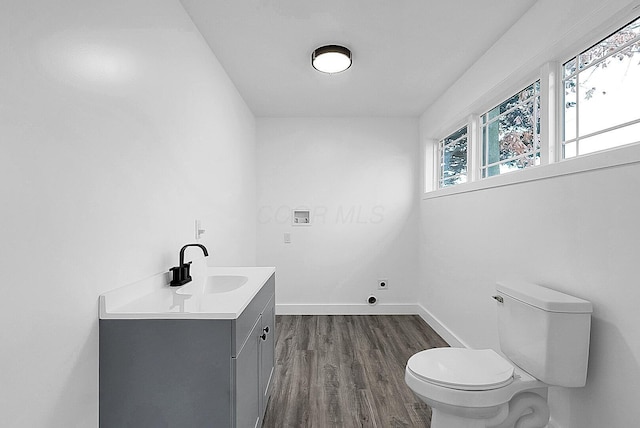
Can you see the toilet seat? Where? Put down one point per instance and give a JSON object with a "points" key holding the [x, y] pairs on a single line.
{"points": [[462, 369]]}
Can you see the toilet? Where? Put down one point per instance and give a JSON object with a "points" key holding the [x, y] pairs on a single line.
{"points": [[544, 341]]}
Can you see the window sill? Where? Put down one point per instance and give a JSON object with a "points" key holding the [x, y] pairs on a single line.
{"points": [[591, 162]]}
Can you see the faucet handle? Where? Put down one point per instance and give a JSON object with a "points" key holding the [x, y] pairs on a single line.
{"points": [[181, 275]]}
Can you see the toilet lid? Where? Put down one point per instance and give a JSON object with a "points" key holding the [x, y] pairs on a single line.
{"points": [[461, 368]]}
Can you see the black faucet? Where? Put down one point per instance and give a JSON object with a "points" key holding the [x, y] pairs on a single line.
{"points": [[181, 273]]}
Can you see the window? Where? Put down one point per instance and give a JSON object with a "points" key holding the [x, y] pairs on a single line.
{"points": [[601, 89], [597, 97], [452, 153], [511, 133]]}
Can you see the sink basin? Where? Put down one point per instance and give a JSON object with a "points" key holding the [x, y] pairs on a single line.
{"points": [[215, 284], [223, 283]]}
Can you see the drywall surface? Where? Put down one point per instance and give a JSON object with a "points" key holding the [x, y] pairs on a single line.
{"points": [[118, 129], [358, 178], [575, 233]]}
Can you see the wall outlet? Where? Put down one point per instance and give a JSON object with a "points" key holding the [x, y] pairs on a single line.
{"points": [[383, 284]]}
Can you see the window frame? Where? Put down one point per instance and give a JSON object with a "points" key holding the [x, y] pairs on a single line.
{"points": [[552, 163], [485, 121]]}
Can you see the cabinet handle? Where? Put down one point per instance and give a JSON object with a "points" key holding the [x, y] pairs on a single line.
{"points": [[266, 329], [263, 336]]}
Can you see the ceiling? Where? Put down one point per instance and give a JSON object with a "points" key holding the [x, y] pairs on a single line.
{"points": [[405, 52]]}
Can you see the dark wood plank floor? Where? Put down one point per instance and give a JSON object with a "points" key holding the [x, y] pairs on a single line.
{"points": [[347, 371]]}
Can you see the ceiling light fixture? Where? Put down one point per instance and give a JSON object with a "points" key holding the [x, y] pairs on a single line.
{"points": [[331, 59]]}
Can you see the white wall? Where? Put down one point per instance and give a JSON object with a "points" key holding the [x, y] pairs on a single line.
{"points": [[118, 128], [577, 233], [359, 178]]}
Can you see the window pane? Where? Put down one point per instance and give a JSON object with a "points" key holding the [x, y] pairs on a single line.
{"points": [[512, 165], [453, 180], [531, 91], [570, 150], [455, 158], [491, 139], [513, 134], [609, 92], [604, 94], [511, 130], [569, 67], [462, 132], [619, 137], [514, 100], [570, 109], [610, 44]]}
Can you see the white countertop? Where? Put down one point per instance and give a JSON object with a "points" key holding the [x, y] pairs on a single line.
{"points": [[155, 299]]}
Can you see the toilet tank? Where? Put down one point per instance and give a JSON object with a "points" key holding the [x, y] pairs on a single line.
{"points": [[544, 332]]}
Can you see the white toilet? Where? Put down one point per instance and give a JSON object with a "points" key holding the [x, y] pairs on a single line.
{"points": [[544, 336]]}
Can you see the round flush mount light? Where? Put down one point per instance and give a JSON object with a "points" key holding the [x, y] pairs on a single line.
{"points": [[331, 59]]}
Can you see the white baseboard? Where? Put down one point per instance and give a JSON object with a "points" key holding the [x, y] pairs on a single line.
{"points": [[347, 309], [379, 309], [449, 336]]}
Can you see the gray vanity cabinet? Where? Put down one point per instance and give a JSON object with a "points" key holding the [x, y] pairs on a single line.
{"points": [[247, 364], [267, 353], [254, 362], [195, 373]]}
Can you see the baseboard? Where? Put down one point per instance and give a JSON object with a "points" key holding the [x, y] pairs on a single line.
{"points": [[449, 336], [347, 309], [378, 309]]}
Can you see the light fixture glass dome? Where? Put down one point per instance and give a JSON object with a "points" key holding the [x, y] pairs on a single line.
{"points": [[331, 59]]}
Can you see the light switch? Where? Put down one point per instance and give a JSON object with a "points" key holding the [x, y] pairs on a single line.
{"points": [[199, 230], [287, 238]]}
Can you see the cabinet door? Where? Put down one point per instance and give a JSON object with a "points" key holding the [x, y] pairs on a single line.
{"points": [[247, 393], [267, 353]]}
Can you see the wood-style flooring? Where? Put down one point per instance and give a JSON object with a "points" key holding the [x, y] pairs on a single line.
{"points": [[347, 371]]}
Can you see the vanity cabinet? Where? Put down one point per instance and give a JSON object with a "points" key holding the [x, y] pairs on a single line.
{"points": [[186, 372], [267, 355], [254, 362], [253, 381]]}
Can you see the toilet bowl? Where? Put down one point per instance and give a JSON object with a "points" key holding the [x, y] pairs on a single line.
{"points": [[544, 340], [468, 388]]}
